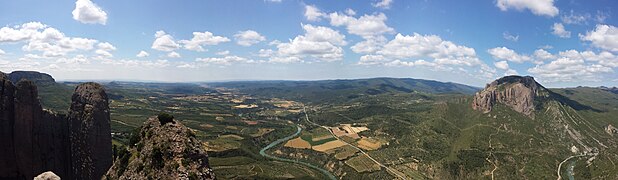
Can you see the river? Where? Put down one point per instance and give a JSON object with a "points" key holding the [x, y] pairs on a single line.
{"points": [[279, 141]]}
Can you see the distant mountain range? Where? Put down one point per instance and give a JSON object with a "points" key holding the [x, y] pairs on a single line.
{"points": [[324, 90]]}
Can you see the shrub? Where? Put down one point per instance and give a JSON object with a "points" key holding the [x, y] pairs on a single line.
{"points": [[165, 118]]}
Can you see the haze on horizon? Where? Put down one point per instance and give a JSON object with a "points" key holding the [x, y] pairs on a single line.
{"points": [[560, 43]]}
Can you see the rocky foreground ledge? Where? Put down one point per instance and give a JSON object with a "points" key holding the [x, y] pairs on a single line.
{"points": [[77, 146], [162, 150]]}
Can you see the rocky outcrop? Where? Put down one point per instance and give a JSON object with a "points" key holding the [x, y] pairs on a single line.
{"points": [[7, 120], [36, 77], [47, 176], [36, 140], [611, 130], [168, 151], [90, 132], [517, 92]]}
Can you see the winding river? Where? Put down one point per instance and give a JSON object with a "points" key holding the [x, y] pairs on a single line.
{"points": [[279, 141]]}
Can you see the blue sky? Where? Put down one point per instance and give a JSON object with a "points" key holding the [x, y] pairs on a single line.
{"points": [[561, 43]]}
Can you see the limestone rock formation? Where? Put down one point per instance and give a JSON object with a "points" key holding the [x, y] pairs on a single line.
{"points": [[36, 140], [611, 130], [47, 176], [517, 92], [168, 151], [7, 120], [36, 77], [90, 132]]}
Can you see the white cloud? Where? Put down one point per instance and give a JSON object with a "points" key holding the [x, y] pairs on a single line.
{"points": [[384, 4], [87, 12], [224, 61], [502, 65], [266, 53], [50, 41], [142, 54], [2, 52], [203, 38], [503, 53], [104, 49], [406, 50], [350, 12], [137, 63], [321, 33], [22, 32], [565, 69], [106, 46], [273, 1], [173, 54], [367, 26], [604, 37], [164, 42], [558, 30], [575, 18], [510, 37], [312, 13], [541, 55], [248, 38], [223, 53], [537, 7], [370, 45], [318, 43], [432, 46], [103, 53], [187, 65]]}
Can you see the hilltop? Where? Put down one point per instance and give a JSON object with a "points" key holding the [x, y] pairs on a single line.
{"points": [[162, 150], [343, 90]]}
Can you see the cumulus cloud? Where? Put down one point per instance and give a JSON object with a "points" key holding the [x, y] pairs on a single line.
{"points": [[430, 51], [384, 4], [223, 53], [203, 38], [565, 69], [603, 36], [318, 43], [312, 13], [248, 38], [164, 42], [558, 30], [564, 66], [142, 54], [224, 61], [503, 53], [367, 26], [104, 49], [173, 54], [502, 65], [87, 12], [50, 41], [537, 7]]}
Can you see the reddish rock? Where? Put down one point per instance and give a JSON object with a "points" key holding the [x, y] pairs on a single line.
{"points": [[517, 92]]}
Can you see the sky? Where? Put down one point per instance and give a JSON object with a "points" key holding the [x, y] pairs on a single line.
{"points": [[562, 43]]}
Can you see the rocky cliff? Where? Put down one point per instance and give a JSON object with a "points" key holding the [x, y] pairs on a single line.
{"points": [[36, 140], [168, 151], [90, 132], [517, 92], [36, 77]]}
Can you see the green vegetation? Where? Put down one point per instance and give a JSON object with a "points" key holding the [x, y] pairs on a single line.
{"points": [[165, 118], [429, 130]]}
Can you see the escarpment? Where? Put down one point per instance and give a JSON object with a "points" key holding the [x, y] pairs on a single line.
{"points": [[35, 140], [517, 92]]}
